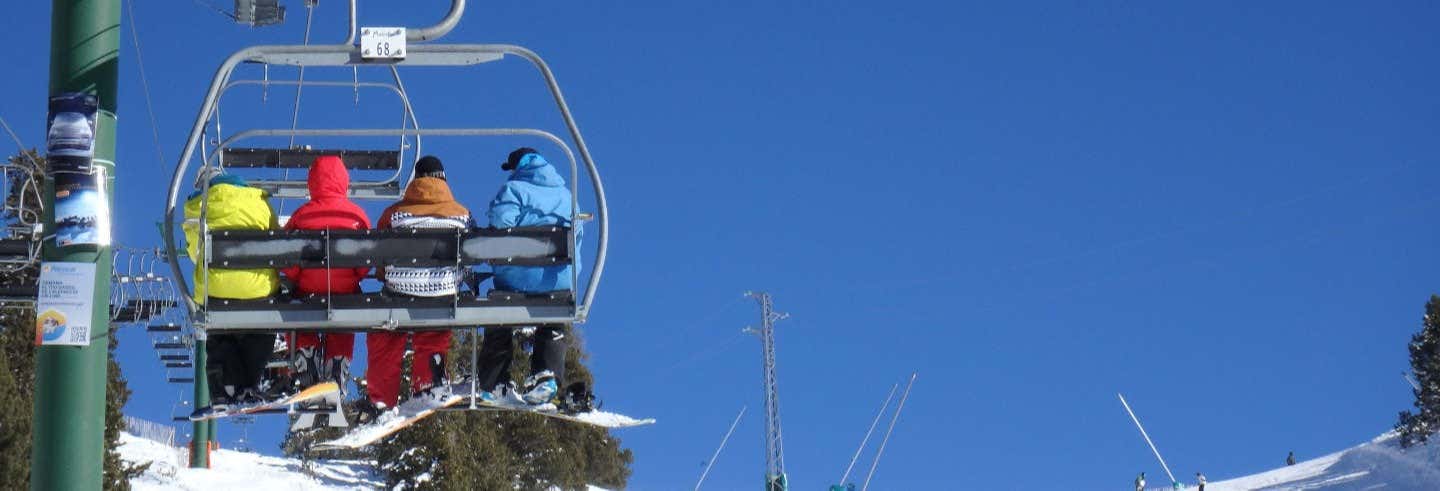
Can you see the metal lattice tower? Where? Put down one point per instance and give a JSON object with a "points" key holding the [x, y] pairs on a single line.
{"points": [[775, 479]]}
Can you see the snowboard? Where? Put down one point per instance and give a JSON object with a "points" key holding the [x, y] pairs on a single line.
{"points": [[593, 417], [389, 422], [334, 418], [313, 392], [459, 399]]}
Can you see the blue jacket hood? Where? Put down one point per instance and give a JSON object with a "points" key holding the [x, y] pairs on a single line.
{"points": [[536, 170]]}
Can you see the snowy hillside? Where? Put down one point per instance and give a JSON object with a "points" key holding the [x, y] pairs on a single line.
{"points": [[238, 470], [1379, 464], [241, 470]]}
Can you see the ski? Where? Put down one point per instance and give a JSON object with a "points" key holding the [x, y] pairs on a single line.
{"points": [[313, 392], [459, 398], [389, 422], [593, 417]]}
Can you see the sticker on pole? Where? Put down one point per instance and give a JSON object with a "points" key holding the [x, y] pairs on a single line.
{"points": [[65, 304], [382, 43]]}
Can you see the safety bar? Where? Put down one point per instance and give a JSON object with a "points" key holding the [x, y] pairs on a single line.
{"points": [[435, 54]]}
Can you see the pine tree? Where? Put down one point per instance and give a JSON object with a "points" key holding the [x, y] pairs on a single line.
{"points": [[1417, 428], [17, 369], [17, 351], [117, 472], [504, 450]]}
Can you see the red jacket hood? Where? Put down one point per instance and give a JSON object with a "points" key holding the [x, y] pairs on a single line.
{"points": [[328, 178]]}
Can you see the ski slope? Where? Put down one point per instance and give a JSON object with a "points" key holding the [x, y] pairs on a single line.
{"points": [[1376, 465], [243, 470], [239, 470]]}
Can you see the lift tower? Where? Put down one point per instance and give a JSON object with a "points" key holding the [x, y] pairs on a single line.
{"points": [[68, 445], [775, 479]]}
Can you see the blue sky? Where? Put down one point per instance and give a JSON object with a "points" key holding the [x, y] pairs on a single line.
{"points": [[1221, 210]]}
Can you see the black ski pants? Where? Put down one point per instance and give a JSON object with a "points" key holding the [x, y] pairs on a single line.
{"points": [[498, 348], [237, 360]]}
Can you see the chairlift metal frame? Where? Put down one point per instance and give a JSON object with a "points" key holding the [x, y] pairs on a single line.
{"points": [[387, 188], [508, 310]]}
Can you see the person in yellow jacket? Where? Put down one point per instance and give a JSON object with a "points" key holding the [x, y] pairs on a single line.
{"points": [[236, 362]]}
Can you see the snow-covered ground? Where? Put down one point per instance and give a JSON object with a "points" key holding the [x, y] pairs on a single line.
{"points": [[242, 470], [239, 470], [1375, 465], [1378, 464]]}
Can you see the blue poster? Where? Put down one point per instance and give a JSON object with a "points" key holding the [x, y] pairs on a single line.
{"points": [[82, 211]]}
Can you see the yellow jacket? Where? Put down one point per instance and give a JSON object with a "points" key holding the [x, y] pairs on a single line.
{"points": [[232, 207]]}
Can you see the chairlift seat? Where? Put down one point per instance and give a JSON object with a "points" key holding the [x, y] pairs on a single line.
{"points": [[19, 293], [15, 248], [367, 311]]}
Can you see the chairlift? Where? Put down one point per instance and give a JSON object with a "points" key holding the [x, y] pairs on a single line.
{"points": [[333, 248], [21, 211]]}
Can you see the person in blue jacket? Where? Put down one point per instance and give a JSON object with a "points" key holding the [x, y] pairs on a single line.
{"points": [[534, 195]]}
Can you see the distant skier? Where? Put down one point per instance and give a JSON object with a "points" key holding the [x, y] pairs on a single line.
{"points": [[1200, 480], [1290, 459], [534, 195], [1140, 482], [427, 204], [329, 208], [235, 363]]}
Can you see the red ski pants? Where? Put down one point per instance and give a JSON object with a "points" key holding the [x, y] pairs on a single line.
{"points": [[336, 344], [387, 352]]}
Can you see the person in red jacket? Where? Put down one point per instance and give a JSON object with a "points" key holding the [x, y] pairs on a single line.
{"points": [[427, 204], [318, 358]]}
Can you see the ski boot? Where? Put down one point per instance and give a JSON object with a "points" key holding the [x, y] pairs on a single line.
{"points": [[501, 395], [578, 399], [367, 410], [305, 368], [540, 388], [437, 387], [338, 371]]}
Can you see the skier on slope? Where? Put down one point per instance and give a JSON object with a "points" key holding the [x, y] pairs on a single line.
{"points": [[1200, 480], [534, 195], [329, 208], [1140, 482], [1290, 459], [235, 363], [427, 204]]}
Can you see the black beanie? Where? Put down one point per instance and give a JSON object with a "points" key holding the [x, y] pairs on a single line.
{"points": [[514, 160], [429, 166]]}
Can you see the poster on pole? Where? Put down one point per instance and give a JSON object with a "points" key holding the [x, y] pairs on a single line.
{"points": [[71, 128], [65, 304], [82, 210]]}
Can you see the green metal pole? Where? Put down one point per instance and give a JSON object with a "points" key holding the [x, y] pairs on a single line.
{"points": [[200, 433], [69, 440]]}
